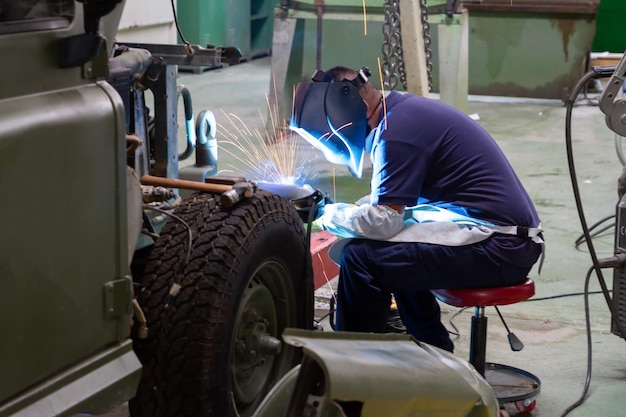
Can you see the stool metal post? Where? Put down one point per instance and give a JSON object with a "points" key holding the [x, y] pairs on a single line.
{"points": [[478, 340], [510, 384]]}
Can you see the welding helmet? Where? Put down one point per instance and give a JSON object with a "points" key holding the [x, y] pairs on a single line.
{"points": [[332, 116]]}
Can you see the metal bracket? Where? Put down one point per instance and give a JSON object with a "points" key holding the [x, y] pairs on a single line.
{"points": [[117, 298], [192, 55]]}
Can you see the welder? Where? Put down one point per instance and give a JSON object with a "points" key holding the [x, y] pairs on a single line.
{"points": [[446, 209]]}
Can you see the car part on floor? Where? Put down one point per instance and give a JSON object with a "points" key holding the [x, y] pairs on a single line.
{"points": [[365, 374]]}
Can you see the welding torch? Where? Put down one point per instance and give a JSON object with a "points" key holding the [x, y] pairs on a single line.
{"points": [[308, 202]]}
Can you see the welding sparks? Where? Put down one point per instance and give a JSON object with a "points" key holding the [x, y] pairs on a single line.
{"points": [[330, 287], [271, 154], [382, 87], [365, 19]]}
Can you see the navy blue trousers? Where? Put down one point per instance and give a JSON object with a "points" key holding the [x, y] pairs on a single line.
{"points": [[373, 270]]}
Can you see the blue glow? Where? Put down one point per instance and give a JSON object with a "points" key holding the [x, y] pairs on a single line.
{"points": [[335, 148]]}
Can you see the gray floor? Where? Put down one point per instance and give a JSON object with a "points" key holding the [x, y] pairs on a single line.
{"points": [[532, 134]]}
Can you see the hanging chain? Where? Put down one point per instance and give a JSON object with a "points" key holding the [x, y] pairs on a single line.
{"points": [[393, 64], [427, 42], [392, 46]]}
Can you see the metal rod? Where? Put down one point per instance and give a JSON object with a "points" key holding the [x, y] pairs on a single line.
{"points": [[184, 184], [320, 12]]}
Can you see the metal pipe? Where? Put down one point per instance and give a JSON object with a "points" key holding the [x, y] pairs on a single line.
{"points": [[184, 184], [320, 12]]}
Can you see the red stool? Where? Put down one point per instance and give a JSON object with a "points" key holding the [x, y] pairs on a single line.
{"points": [[510, 385]]}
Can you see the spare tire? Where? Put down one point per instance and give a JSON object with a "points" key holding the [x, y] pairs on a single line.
{"points": [[216, 312]]}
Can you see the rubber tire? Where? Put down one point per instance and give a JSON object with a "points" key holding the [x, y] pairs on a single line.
{"points": [[189, 355]]}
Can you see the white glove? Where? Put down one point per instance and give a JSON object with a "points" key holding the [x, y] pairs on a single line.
{"points": [[364, 200], [367, 221]]}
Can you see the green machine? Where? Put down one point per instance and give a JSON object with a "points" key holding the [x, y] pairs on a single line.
{"points": [[246, 25], [524, 48], [610, 20]]}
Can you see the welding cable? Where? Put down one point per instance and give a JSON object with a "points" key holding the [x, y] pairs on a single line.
{"points": [[318, 321], [456, 331], [571, 294], [308, 264], [175, 288], [581, 239], [317, 198], [596, 72], [622, 159], [179, 30], [583, 395]]}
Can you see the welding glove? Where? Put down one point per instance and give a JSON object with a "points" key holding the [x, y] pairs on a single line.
{"points": [[363, 200], [366, 221]]}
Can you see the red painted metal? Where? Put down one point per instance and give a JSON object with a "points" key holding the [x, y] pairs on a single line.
{"points": [[482, 297], [324, 269]]}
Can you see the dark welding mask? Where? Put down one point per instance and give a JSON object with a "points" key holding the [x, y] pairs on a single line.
{"points": [[332, 116]]}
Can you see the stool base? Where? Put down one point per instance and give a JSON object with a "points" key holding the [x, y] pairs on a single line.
{"points": [[511, 384]]}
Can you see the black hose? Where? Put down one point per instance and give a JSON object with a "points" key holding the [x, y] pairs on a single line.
{"points": [[594, 73], [583, 395], [581, 239], [178, 29]]}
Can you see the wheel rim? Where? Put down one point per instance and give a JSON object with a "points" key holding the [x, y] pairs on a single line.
{"points": [[256, 348]]}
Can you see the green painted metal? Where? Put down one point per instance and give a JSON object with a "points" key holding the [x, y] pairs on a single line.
{"points": [[610, 34], [246, 25], [349, 37], [525, 52], [64, 230], [261, 26], [221, 23], [397, 377], [91, 386]]}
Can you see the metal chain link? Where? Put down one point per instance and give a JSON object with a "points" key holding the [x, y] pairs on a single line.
{"points": [[427, 42], [392, 45], [393, 63]]}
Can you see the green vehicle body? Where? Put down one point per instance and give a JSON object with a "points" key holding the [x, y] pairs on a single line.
{"points": [[64, 240], [80, 248]]}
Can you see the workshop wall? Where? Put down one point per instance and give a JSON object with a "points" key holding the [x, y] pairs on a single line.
{"points": [[147, 21]]}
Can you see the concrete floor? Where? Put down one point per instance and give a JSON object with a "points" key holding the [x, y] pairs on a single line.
{"points": [[532, 134]]}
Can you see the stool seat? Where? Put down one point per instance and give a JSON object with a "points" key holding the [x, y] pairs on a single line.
{"points": [[509, 384], [483, 297]]}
